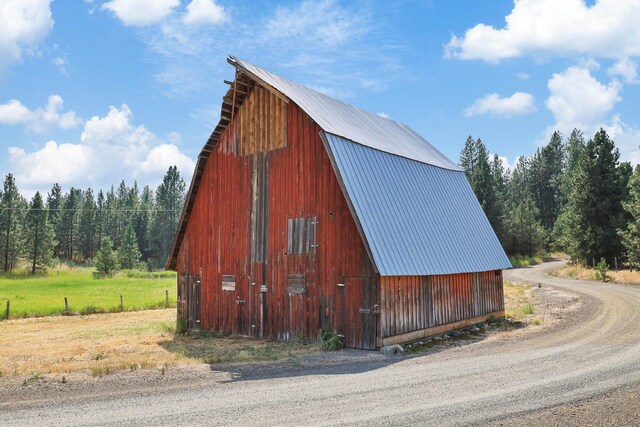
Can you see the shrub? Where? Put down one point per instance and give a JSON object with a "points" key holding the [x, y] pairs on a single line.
{"points": [[330, 340], [601, 270]]}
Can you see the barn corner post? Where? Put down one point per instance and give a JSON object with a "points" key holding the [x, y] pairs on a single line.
{"points": [[286, 178]]}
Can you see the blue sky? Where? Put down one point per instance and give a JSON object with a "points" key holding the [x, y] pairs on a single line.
{"points": [[95, 91]]}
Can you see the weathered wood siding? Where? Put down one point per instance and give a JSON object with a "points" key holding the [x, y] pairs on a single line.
{"points": [[256, 180], [411, 303]]}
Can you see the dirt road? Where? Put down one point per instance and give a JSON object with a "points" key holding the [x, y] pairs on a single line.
{"points": [[522, 378]]}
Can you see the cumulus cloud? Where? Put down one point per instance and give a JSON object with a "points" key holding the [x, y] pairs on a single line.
{"points": [[141, 12], [39, 120], [24, 24], [111, 147], [577, 99], [608, 28], [65, 163], [202, 12], [625, 68], [517, 104]]}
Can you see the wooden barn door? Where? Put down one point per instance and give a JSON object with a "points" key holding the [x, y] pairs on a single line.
{"points": [[190, 300], [258, 285], [357, 312]]}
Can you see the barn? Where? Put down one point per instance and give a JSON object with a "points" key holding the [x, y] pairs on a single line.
{"points": [[306, 213]]}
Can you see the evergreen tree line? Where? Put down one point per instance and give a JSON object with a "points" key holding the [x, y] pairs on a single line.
{"points": [[138, 225], [571, 195]]}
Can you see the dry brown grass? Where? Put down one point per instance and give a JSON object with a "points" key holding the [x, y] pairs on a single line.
{"points": [[583, 273], [104, 343], [519, 301]]}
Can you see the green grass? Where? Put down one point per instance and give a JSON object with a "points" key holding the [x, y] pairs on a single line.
{"points": [[43, 295], [525, 261], [528, 309]]}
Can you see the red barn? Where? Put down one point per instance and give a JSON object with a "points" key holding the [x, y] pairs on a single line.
{"points": [[307, 213]]}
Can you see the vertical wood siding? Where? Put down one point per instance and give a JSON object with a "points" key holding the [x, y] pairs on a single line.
{"points": [[411, 303], [301, 184], [270, 133]]}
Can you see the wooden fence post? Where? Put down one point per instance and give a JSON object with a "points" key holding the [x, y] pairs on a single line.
{"points": [[7, 313], [615, 261], [166, 294], [121, 304], [66, 305]]}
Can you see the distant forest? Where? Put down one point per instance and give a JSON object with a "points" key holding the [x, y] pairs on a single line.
{"points": [[571, 195], [138, 223]]}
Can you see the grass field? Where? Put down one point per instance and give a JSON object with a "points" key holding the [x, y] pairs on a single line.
{"points": [[36, 296], [584, 273], [104, 343]]}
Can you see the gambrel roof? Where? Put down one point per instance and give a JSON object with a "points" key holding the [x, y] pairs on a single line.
{"points": [[414, 208]]}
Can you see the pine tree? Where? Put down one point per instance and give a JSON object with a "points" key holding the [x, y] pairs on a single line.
{"points": [[100, 218], [498, 183], [12, 208], [524, 234], [594, 212], [87, 236], [39, 236], [169, 201], [106, 258], [69, 223], [631, 235], [54, 207], [546, 169], [474, 160], [143, 220], [129, 251]]}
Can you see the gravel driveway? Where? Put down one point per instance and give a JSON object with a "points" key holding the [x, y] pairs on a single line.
{"points": [[538, 376]]}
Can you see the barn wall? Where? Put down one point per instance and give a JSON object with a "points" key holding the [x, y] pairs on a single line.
{"points": [[262, 176], [412, 303]]}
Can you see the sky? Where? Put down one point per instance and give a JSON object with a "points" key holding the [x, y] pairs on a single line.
{"points": [[96, 91]]}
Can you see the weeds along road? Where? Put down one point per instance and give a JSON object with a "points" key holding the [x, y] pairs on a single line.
{"points": [[595, 349]]}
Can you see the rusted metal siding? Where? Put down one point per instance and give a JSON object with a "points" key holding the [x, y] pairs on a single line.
{"points": [[411, 303], [297, 181]]}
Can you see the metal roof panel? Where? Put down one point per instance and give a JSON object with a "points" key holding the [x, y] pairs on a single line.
{"points": [[417, 219], [355, 124]]}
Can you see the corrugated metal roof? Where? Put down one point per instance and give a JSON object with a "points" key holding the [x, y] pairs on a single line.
{"points": [[353, 123], [417, 219]]}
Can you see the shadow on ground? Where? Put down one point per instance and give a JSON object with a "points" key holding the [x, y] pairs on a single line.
{"points": [[248, 359]]}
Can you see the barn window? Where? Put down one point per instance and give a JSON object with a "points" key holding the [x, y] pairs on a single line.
{"points": [[301, 235], [228, 282], [297, 283]]}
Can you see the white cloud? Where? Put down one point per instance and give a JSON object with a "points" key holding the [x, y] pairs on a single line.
{"points": [[577, 99], [110, 148], [202, 12], [64, 163], [522, 76], [625, 68], [322, 21], [13, 112], [626, 138], [141, 12], [24, 24], [61, 64], [517, 104], [608, 28], [41, 119], [162, 156]]}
